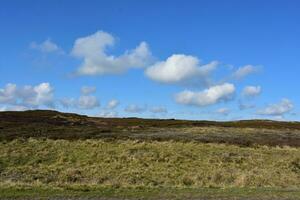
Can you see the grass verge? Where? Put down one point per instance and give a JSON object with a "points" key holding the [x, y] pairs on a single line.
{"points": [[147, 193]]}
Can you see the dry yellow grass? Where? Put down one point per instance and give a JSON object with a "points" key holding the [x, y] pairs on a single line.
{"points": [[146, 164]]}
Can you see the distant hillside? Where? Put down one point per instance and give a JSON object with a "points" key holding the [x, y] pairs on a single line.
{"points": [[57, 125]]}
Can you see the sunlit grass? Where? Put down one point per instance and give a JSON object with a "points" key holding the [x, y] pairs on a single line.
{"points": [[147, 164]]}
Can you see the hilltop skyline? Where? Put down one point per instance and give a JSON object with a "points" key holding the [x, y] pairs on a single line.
{"points": [[198, 60]]}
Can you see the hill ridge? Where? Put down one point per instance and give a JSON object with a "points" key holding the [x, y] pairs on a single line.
{"points": [[52, 124]]}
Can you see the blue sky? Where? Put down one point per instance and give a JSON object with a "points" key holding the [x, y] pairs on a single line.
{"points": [[216, 60]]}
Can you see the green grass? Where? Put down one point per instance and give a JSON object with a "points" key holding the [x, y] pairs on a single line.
{"points": [[147, 193], [146, 164], [44, 168]]}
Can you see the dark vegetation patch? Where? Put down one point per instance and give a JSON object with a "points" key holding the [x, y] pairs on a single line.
{"points": [[56, 125]]}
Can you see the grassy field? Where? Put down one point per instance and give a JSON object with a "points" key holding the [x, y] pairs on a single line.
{"points": [[108, 193], [47, 154], [91, 164]]}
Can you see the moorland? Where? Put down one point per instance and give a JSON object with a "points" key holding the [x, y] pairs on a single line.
{"points": [[53, 155]]}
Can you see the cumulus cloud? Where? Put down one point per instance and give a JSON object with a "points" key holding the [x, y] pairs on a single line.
{"points": [[158, 109], [206, 97], [46, 47], [8, 94], [83, 102], [245, 71], [251, 91], [279, 109], [112, 104], [41, 94], [133, 108], [180, 68], [86, 90], [223, 111], [29, 96], [88, 102], [92, 49]]}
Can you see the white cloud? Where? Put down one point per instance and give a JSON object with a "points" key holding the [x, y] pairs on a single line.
{"points": [[108, 114], [223, 111], [92, 49], [8, 93], [180, 68], [86, 90], [158, 109], [83, 102], [42, 95], [279, 118], [14, 108], [88, 102], [112, 104], [206, 97], [68, 102], [251, 91], [281, 108], [46, 47], [29, 96], [245, 71], [133, 108]]}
